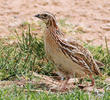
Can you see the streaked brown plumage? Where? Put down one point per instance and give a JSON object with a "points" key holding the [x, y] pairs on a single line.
{"points": [[70, 57]]}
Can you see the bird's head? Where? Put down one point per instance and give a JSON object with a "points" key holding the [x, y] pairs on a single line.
{"points": [[48, 18]]}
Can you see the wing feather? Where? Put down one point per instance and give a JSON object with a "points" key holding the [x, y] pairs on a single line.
{"points": [[79, 55]]}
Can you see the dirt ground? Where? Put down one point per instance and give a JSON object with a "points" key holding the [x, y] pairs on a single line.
{"points": [[93, 15]]}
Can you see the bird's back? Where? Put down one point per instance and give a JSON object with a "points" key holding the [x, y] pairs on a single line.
{"points": [[82, 56]]}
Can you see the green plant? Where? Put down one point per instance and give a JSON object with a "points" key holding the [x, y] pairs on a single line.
{"points": [[24, 56]]}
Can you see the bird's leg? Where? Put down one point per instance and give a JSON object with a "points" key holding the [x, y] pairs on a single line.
{"points": [[92, 79], [93, 83], [81, 81], [81, 86], [63, 86]]}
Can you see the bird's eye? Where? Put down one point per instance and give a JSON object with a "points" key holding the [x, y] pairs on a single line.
{"points": [[45, 15]]}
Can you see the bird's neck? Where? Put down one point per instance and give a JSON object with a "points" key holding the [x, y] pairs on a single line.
{"points": [[52, 28], [51, 24], [52, 34]]}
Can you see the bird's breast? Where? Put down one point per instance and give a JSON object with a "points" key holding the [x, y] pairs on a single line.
{"points": [[51, 47]]}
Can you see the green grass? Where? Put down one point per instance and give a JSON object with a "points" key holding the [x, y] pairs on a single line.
{"points": [[24, 56], [15, 93], [19, 59]]}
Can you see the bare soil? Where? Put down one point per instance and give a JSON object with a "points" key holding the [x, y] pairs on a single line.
{"points": [[92, 15]]}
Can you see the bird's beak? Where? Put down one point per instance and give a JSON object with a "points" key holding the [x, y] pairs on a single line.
{"points": [[38, 15]]}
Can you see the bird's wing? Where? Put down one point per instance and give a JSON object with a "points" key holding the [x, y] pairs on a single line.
{"points": [[79, 55]]}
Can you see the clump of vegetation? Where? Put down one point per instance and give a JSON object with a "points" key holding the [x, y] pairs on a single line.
{"points": [[24, 56]]}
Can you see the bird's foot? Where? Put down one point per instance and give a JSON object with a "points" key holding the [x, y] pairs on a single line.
{"points": [[60, 88], [81, 86], [63, 88]]}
